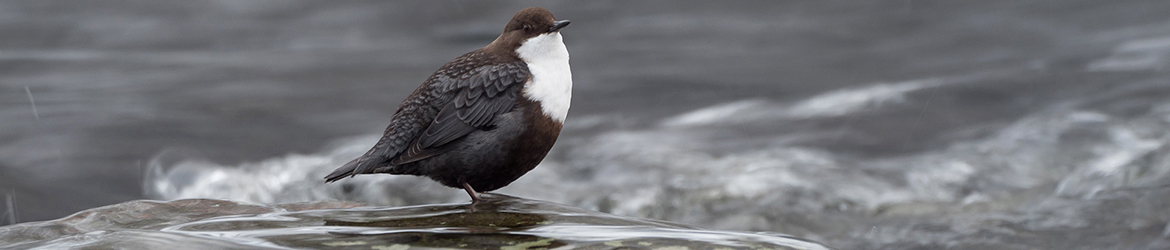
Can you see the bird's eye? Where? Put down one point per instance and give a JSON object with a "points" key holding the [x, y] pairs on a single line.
{"points": [[527, 27]]}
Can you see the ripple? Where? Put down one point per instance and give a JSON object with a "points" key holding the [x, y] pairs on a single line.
{"points": [[499, 221]]}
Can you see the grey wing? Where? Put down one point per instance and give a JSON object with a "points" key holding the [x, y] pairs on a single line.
{"points": [[479, 96]]}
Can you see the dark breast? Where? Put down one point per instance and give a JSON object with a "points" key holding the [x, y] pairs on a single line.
{"points": [[538, 138], [493, 158], [538, 135]]}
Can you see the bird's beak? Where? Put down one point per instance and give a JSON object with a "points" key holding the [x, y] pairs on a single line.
{"points": [[558, 25]]}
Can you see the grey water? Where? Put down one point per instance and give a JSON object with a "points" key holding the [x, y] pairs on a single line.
{"points": [[496, 222], [859, 124]]}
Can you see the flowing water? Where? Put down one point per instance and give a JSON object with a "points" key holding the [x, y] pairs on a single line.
{"points": [[862, 125], [496, 222]]}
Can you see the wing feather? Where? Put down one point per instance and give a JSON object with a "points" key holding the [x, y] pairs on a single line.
{"points": [[488, 92], [459, 98]]}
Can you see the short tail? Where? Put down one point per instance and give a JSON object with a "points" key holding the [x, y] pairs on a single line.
{"points": [[361, 165]]}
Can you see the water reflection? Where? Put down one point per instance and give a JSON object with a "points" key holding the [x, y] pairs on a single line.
{"points": [[499, 221], [867, 125]]}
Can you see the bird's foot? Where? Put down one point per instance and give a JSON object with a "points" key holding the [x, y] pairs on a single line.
{"points": [[471, 192]]}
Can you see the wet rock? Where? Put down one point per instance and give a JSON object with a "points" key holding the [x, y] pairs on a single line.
{"points": [[498, 222]]}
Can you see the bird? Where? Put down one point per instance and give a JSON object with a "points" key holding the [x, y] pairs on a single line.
{"points": [[484, 119]]}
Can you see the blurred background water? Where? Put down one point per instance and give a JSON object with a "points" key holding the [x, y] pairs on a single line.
{"points": [[860, 124]]}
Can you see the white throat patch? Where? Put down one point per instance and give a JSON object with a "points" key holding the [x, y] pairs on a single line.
{"points": [[552, 82]]}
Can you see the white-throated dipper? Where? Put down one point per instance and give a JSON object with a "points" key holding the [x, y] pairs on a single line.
{"points": [[484, 119]]}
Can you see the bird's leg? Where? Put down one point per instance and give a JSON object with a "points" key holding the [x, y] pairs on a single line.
{"points": [[470, 191]]}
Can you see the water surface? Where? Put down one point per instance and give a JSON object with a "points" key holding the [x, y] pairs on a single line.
{"points": [[863, 125], [496, 222]]}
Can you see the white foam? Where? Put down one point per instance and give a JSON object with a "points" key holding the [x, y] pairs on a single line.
{"points": [[676, 174], [830, 104], [847, 101], [1136, 55], [1129, 148], [717, 113], [291, 178], [267, 181]]}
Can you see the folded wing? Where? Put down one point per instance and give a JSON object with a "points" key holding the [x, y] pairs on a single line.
{"points": [[479, 96]]}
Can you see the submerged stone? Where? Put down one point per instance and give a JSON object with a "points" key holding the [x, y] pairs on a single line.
{"points": [[497, 222]]}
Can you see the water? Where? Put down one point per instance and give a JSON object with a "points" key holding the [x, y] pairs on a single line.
{"points": [[499, 221], [875, 125]]}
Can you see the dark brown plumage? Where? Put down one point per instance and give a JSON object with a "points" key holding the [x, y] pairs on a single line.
{"points": [[473, 124]]}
